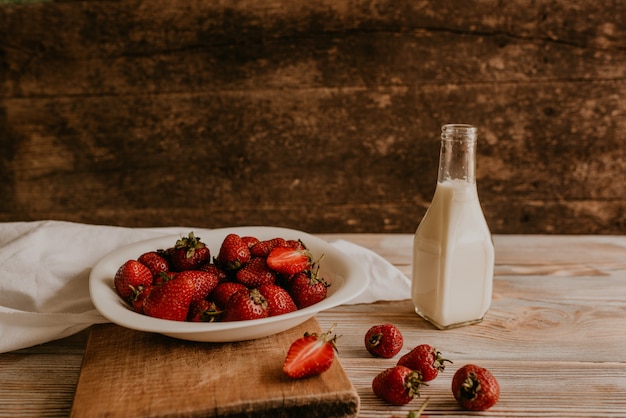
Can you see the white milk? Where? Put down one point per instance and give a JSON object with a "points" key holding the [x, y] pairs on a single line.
{"points": [[453, 258]]}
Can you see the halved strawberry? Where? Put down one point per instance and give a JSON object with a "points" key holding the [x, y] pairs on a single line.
{"points": [[289, 261], [310, 355]]}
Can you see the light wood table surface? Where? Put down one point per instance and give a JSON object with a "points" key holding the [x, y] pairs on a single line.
{"points": [[555, 337]]}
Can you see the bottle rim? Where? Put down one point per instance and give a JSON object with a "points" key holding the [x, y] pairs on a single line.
{"points": [[458, 131]]}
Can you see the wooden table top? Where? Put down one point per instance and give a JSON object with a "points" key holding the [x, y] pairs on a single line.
{"points": [[555, 336]]}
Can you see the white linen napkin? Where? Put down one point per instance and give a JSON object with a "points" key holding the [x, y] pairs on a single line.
{"points": [[45, 266], [387, 282]]}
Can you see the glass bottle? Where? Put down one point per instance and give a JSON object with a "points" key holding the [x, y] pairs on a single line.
{"points": [[453, 254]]}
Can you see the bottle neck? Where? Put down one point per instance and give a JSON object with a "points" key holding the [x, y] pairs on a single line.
{"points": [[457, 157]]}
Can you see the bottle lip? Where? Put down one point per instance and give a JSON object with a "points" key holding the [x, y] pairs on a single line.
{"points": [[458, 131]]}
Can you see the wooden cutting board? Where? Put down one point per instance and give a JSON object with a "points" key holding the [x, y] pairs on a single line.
{"points": [[127, 373]]}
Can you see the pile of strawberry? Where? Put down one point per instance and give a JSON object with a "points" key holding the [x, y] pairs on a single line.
{"points": [[248, 279]]}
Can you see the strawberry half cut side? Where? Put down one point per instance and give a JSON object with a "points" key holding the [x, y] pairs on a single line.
{"points": [[310, 355]]}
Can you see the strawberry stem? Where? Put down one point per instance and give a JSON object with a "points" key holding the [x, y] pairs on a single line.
{"points": [[439, 362]]}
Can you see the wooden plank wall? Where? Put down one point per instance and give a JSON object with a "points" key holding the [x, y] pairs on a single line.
{"points": [[318, 115]]}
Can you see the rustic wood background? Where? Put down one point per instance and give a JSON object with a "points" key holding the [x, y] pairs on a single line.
{"points": [[322, 116]]}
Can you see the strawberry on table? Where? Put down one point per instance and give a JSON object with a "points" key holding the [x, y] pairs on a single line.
{"points": [[286, 260], [475, 388], [256, 273], [310, 355], [233, 254], [384, 340], [171, 299], [278, 300], [245, 305], [131, 275], [189, 253], [397, 385], [424, 359]]}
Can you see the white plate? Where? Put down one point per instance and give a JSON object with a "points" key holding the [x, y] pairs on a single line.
{"points": [[344, 275]]}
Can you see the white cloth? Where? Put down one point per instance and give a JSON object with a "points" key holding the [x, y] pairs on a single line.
{"points": [[45, 266], [387, 282]]}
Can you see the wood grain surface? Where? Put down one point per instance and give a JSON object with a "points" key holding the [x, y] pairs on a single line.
{"points": [[323, 116], [554, 336], [148, 375]]}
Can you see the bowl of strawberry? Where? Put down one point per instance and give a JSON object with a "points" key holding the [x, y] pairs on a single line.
{"points": [[223, 285]]}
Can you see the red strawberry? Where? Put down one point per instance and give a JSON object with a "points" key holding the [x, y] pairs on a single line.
{"points": [[189, 253], [219, 274], [155, 262], [475, 388], [138, 296], [295, 244], [224, 291], [164, 276], [250, 241], [131, 275], [170, 300], [424, 359], [384, 340], [278, 300], [203, 311], [256, 273], [263, 248], [205, 282], [307, 288], [289, 261], [233, 254], [397, 385], [244, 305], [310, 355]]}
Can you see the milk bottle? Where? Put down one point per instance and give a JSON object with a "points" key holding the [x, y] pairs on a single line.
{"points": [[453, 254]]}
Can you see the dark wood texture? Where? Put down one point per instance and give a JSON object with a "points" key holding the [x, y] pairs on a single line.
{"points": [[322, 116]]}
